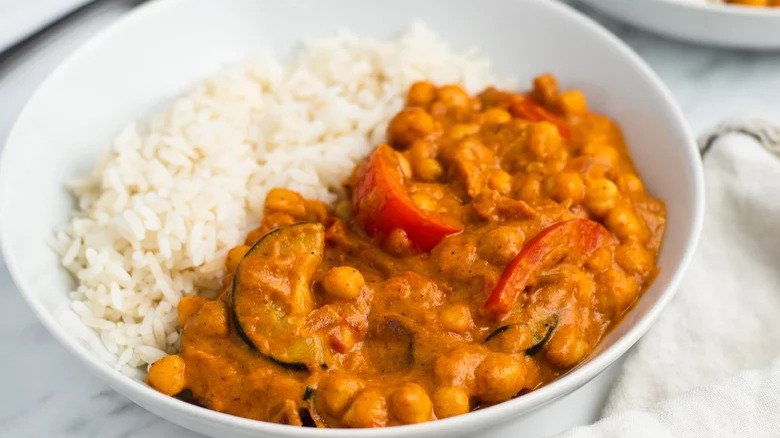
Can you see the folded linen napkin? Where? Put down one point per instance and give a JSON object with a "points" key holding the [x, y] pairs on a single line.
{"points": [[710, 366]]}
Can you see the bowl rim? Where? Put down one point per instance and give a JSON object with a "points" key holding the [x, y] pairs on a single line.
{"points": [[136, 390]]}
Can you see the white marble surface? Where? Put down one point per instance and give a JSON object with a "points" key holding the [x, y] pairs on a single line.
{"points": [[45, 392]]}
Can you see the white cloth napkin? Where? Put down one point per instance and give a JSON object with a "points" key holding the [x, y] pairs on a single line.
{"points": [[19, 18], [709, 367]]}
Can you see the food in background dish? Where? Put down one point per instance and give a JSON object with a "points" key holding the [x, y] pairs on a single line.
{"points": [[752, 3], [483, 249]]}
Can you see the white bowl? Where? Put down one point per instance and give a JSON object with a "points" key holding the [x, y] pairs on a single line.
{"points": [[698, 22], [162, 48]]}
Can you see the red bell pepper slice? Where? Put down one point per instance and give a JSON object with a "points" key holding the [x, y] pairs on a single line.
{"points": [[531, 110], [381, 204], [581, 237]]}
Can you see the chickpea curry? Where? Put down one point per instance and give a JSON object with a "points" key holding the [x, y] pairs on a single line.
{"points": [[482, 252]]}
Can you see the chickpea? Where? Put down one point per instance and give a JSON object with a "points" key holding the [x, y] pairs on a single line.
{"points": [[269, 222], [188, 306], [545, 88], [457, 368], [624, 223], [634, 258], [600, 260], [421, 149], [601, 196], [568, 185], [368, 410], [456, 318], [531, 189], [167, 375], [533, 374], [566, 347], [281, 200], [536, 168], [603, 154], [616, 291], [343, 282], [456, 256], [428, 169], [585, 286], [421, 93], [630, 183], [501, 244], [253, 236], [544, 139], [557, 162], [580, 164], [499, 181], [438, 108], [316, 211], [409, 125], [499, 378], [338, 393], [423, 201], [411, 404], [212, 319], [514, 340], [277, 219], [398, 242], [234, 256], [453, 96], [462, 130], [449, 401], [496, 116], [573, 102]]}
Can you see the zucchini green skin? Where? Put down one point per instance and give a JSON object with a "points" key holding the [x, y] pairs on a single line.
{"points": [[391, 343], [500, 330], [294, 366], [551, 324], [309, 249]]}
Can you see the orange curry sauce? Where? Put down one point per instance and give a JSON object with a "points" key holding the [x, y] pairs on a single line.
{"points": [[481, 253]]}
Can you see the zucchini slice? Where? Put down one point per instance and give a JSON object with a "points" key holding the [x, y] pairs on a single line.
{"points": [[391, 341], [550, 325], [272, 296], [541, 333]]}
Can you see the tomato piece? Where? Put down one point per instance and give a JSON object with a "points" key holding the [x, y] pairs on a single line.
{"points": [[381, 204], [578, 237], [531, 110]]}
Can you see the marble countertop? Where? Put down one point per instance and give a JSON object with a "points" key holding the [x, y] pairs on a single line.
{"points": [[45, 392]]}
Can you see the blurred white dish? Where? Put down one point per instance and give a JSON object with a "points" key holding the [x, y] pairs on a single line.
{"points": [[699, 21], [162, 48]]}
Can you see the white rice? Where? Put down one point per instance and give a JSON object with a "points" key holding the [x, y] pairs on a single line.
{"points": [[158, 214]]}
